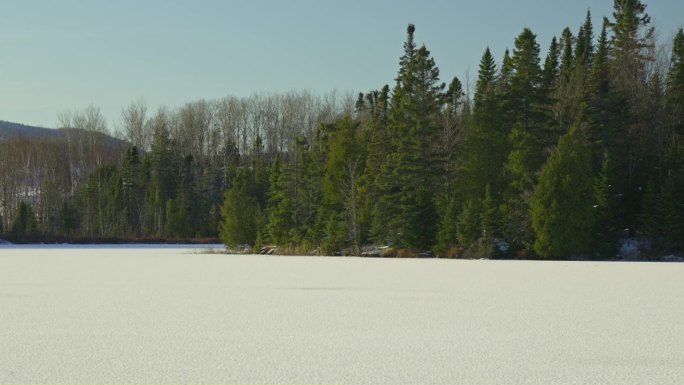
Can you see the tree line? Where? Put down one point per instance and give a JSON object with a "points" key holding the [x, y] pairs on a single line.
{"points": [[560, 157]]}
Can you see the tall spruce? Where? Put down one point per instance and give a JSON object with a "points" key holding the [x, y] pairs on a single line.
{"points": [[675, 89], [562, 216], [529, 136], [412, 168], [483, 149]]}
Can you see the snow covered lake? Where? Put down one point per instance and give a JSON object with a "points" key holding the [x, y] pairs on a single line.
{"points": [[173, 315]]}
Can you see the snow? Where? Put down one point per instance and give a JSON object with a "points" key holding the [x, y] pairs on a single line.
{"points": [[177, 315]]}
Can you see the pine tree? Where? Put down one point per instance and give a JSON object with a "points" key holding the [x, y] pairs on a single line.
{"points": [[484, 146], [584, 48], [528, 99], [373, 209], [630, 51], [446, 231], [25, 223], [280, 207], [562, 216], [567, 63], [520, 169], [675, 88], [469, 226], [240, 212], [551, 65], [343, 169], [412, 168], [606, 212]]}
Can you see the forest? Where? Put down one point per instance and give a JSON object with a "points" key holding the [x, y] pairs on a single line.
{"points": [[567, 156]]}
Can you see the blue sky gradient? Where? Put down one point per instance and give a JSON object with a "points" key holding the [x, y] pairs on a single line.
{"points": [[59, 55]]}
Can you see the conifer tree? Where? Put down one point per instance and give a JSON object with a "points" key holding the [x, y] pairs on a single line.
{"points": [[562, 216], [469, 226], [584, 48], [240, 212], [551, 63], [528, 98], [675, 88], [447, 230], [567, 62], [280, 207], [343, 169], [605, 211], [373, 210], [482, 150], [25, 223], [412, 168], [630, 52]]}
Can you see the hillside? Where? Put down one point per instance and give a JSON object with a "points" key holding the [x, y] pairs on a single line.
{"points": [[11, 130]]}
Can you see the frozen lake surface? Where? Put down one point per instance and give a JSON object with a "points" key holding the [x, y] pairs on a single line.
{"points": [[168, 315]]}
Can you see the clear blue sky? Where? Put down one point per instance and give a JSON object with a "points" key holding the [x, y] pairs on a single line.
{"points": [[58, 55]]}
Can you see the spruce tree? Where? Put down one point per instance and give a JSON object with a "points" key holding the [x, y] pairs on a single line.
{"points": [[551, 63], [373, 210], [606, 211], [562, 216], [675, 88], [484, 145], [25, 223], [447, 231], [410, 173], [280, 207], [584, 47], [240, 212], [469, 226], [567, 62]]}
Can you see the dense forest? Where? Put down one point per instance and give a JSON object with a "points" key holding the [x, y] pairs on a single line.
{"points": [[568, 156]]}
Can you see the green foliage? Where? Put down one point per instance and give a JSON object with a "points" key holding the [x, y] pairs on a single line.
{"points": [[336, 234], [662, 212], [675, 87], [25, 222], [562, 216], [280, 205], [240, 212], [447, 230], [606, 212], [484, 144], [469, 226], [413, 166], [521, 170]]}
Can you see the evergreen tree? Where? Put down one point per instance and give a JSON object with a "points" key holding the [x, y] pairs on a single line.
{"points": [[520, 166], [411, 170], [527, 139], [567, 63], [280, 207], [584, 48], [528, 98], [343, 169], [373, 208], [562, 216], [675, 88], [484, 145], [606, 211], [240, 212], [630, 52], [447, 230], [469, 226], [551, 65], [25, 223]]}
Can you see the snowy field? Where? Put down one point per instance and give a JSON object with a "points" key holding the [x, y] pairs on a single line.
{"points": [[170, 315]]}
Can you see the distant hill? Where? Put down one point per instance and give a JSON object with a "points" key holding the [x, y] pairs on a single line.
{"points": [[10, 130]]}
